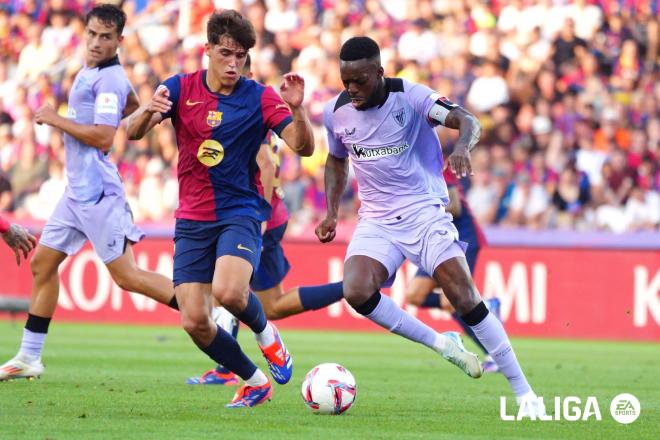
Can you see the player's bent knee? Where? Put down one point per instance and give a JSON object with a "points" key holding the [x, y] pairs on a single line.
{"points": [[356, 294], [195, 325], [41, 268], [231, 299], [465, 303]]}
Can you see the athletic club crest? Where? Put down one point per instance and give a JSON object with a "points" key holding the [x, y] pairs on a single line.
{"points": [[214, 118], [399, 116]]}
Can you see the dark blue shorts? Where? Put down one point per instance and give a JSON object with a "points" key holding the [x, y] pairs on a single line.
{"points": [[471, 254], [197, 246], [273, 266]]}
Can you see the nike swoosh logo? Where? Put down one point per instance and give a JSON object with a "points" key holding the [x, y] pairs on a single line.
{"points": [[189, 102], [243, 248]]}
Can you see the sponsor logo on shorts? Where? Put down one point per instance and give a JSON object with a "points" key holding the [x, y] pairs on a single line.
{"points": [[363, 153], [240, 247]]}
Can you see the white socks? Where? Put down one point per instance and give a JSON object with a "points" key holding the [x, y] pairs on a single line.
{"points": [[257, 379], [490, 332], [32, 343], [389, 315], [267, 337]]}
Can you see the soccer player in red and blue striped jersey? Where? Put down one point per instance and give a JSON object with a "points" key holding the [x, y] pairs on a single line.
{"points": [[220, 119]]}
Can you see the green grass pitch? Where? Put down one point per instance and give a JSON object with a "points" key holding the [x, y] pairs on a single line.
{"points": [[127, 382]]}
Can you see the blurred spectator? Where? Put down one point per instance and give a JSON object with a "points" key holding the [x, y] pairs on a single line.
{"points": [[568, 94]]}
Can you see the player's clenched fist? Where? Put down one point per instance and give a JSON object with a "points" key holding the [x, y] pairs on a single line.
{"points": [[46, 114], [292, 89], [326, 230], [160, 102]]}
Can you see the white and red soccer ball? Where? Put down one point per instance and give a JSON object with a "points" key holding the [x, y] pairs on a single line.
{"points": [[329, 389]]}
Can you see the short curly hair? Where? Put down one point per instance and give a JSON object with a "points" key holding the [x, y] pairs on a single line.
{"points": [[358, 48], [233, 24]]}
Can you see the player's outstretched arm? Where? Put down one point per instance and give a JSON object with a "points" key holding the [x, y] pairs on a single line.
{"points": [[298, 135], [17, 238], [98, 136], [469, 130], [336, 175], [150, 114]]}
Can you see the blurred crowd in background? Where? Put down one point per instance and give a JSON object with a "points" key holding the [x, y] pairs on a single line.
{"points": [[567, 92]]}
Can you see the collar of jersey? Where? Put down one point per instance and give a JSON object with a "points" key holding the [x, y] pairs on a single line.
{"points": [[236, 87], [110, 62]]}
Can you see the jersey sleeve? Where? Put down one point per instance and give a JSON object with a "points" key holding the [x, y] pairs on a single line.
{"points": [[275, 111], [428, 103], [173, 84], [335, 145], [110, 94]]}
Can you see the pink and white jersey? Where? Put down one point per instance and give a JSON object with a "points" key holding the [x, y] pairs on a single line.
{"points": [[394, 150]]}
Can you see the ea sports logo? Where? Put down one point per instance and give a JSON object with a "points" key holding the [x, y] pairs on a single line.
{"points": [[625, 408], [210, 153]]}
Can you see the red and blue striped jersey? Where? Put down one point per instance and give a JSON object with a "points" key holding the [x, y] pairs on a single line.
{"points": [[218, 137]]}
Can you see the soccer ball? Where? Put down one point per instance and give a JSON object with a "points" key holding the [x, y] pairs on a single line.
{"points": [[329, 389]]}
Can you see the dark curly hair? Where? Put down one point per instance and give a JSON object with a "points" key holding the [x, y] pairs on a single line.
{"points": [[359, 48]]}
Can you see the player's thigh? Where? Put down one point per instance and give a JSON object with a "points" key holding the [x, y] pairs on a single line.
{"points": [[372, 259], [123, 266], [61, 234], [453, 275], [273, 264], [438, 237], [237, 256], [194, 252], [109, 226]]}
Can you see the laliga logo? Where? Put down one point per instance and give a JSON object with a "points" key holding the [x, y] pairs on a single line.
{"points": [[625, 408]]}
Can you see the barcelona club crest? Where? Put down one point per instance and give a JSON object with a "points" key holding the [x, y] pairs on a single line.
{"points": [[399, 116], [214, 118]]}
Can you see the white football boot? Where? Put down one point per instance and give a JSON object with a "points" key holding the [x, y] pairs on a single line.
{"points": [[21, 366], [456, 353]]}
